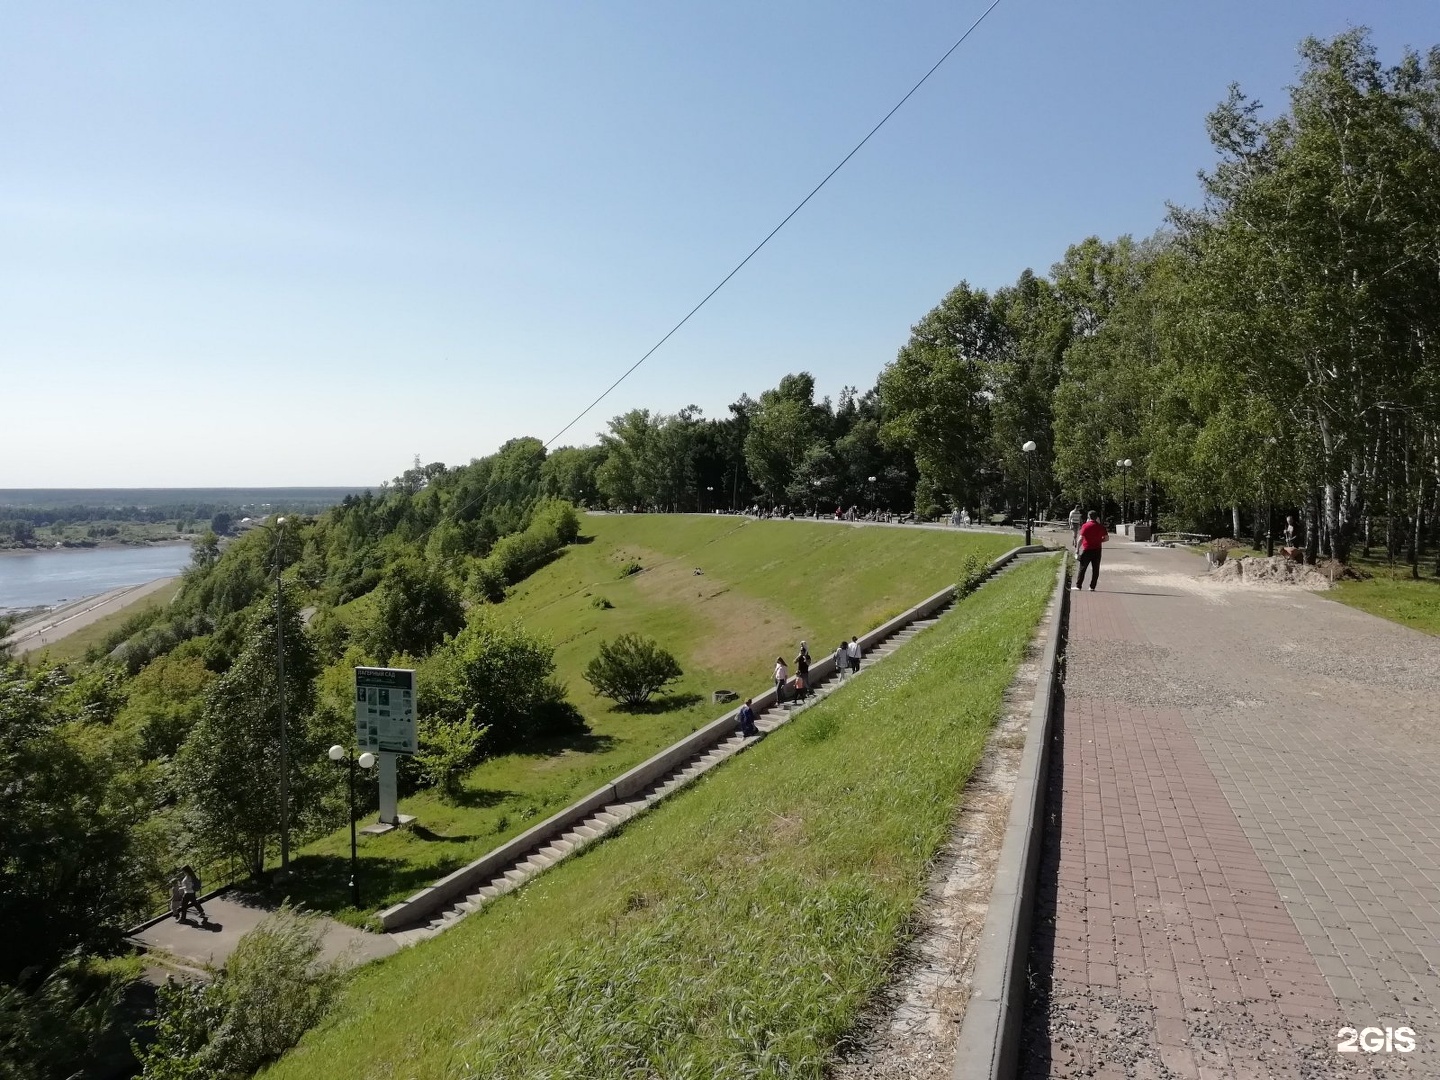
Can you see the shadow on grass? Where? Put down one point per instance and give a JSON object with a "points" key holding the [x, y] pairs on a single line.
{"points": [[322, 883], [656, 706], [580, 742], [479, 799], [420, 832]]}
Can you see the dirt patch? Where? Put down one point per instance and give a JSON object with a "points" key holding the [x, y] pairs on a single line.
{"points": [[735, 625], [908, 1032], [1272, 571]]}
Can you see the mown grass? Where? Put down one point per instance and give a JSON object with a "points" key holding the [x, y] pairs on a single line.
{"points": [[74, 646], [764, 586], [735, 931]]}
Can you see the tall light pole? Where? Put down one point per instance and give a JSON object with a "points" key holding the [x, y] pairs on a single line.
{"points": [[1028, 448], [366, 761], [284, 727], [872, 493], [1124, 466]]}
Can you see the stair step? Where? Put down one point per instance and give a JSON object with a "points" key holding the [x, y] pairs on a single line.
{"points": [[607, 817], [516, 875], [587, 831]]}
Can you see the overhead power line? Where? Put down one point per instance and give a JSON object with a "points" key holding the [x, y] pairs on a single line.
{"points": [[770, 235]]}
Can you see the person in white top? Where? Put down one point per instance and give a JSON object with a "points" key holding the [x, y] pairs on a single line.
{"points": [[853, 650], [782, 675]]}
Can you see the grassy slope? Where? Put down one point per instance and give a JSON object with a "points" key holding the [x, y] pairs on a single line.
{"points": [[74, 646], [735, 930], [765, 586]]}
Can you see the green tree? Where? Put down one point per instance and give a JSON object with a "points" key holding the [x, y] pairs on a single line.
{"points": [[936, 394], [415, 610], [494, 675], [228, 770], [786, 428], [71, 871]]}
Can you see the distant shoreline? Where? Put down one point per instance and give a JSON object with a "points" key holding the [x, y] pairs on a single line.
{"points": [[99, 545]]}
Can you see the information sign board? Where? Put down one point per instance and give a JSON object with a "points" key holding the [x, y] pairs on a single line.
{"points": [[385, 710]]}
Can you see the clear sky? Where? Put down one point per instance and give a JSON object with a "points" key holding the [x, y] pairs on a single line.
{"points": [[281, 243]]}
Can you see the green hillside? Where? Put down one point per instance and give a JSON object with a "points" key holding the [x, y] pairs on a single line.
{"points": [[764, 586], [735, 930]]}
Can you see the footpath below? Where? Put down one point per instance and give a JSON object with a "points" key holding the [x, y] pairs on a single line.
{"points": [[63, 621], [1242, 852]]}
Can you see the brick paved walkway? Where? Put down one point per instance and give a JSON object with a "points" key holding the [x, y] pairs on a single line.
{"points": [[1243, 853]]}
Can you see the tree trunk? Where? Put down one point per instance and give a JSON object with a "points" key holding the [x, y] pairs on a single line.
{"points": [[1235, 521]]}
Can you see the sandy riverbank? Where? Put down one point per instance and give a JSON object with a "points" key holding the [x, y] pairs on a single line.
{"points": [[52, 626]]}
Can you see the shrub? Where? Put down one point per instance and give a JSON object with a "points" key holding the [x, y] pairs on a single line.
{"points": [[601, 602], [272, 990], [630, 669], [495, 675], [972, 574], [447, 750], [630, 568], [56, 1027]]}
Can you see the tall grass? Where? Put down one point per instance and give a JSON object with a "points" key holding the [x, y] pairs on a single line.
{"points": [[736, 930]]}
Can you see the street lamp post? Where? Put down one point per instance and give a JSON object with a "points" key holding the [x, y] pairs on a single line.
{"points": [[276, 531], [710, 488], [1029, 448], [872, 493], [366, 761], [1124, 466]]}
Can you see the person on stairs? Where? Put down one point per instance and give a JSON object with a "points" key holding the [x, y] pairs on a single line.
{"points": [[1092, 535], [782, 676], [747, 720], [802, 672]]}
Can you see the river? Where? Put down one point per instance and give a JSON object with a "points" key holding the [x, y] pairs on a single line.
{"points": [[45, 578]]}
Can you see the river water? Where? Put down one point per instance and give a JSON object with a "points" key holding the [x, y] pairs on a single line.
{"points": [[46, 578]]}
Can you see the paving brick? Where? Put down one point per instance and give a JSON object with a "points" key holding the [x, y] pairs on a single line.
{"points": [[1252, 827]]}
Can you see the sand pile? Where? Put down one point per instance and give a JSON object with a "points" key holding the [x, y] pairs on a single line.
{"points": [[1273, 571]]}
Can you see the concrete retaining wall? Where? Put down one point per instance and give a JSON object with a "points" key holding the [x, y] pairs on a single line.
{"points": [[989, 1042], [423, 904]]}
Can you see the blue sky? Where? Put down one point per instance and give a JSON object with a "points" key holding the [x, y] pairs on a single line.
{"points": [[300, 243]]}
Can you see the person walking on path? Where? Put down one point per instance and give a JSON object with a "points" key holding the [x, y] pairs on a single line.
{"points": [[1092, 534], [802, 671], [189, 883], [782, 676], [842, 659], [853, 651], [1077, 518], [747, 720]]}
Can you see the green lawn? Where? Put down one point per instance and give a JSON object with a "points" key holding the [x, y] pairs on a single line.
{"points": [[1390, 592], [734, 931], [74, 646], [764, 586]]}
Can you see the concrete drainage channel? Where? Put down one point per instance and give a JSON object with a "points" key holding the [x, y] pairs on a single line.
{"points": [[447, 901], [989, 1043]]}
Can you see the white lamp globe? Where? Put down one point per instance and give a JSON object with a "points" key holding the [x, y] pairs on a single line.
{"points": [[367, 760], [337, 752], [1029, 446]]}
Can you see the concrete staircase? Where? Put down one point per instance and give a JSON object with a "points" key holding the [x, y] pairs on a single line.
{"points": [[526, 865]]}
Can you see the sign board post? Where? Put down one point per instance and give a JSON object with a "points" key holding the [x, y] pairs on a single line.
{"points": [[385, 725]]}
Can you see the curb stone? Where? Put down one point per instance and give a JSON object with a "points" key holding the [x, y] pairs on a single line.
{"points": [[989, 1042]]}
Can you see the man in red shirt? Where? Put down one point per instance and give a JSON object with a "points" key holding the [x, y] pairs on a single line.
{"points": [[1092, 535]]}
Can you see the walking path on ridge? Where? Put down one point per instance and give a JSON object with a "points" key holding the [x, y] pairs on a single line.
{"points": [[1242, 850]]}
